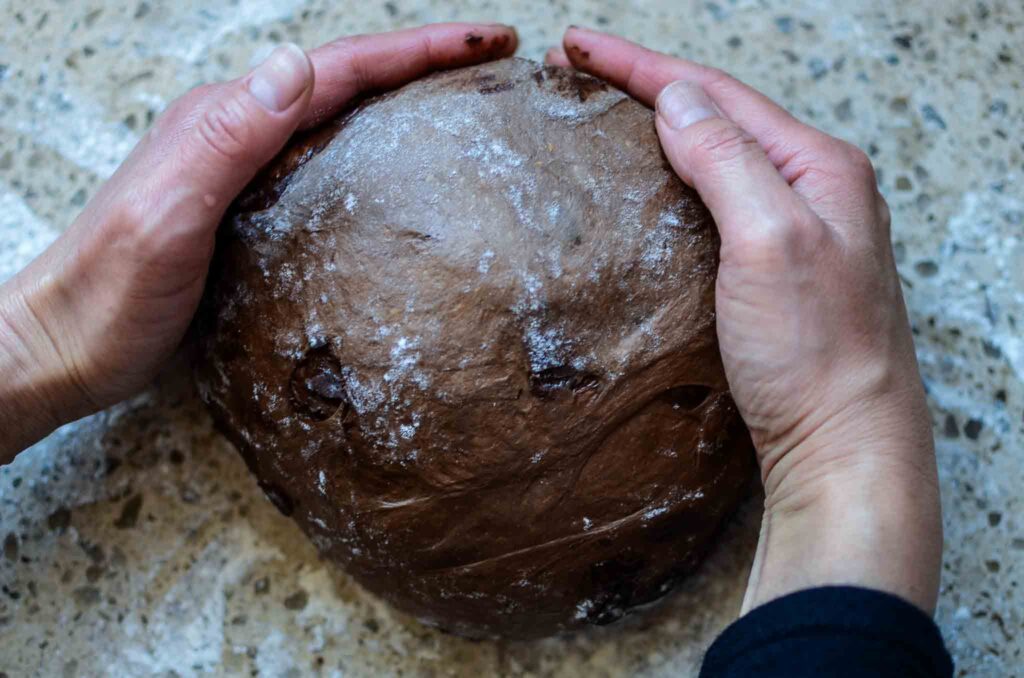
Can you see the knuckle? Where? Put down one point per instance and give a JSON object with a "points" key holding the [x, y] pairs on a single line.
{"points": [[128, 231], [799, 234], [717, 77], [720, 141], [129, 217], [189, 102], [779, 236], [180, 114], [198, 94], [720, 84], [224, 128], [858, 163], [144, 232], [348, 53]]}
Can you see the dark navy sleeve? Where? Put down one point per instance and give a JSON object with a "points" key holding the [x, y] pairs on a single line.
{"points": [[836, 631]]}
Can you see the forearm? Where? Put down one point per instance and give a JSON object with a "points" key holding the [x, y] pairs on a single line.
{"points": [[878, 526]]}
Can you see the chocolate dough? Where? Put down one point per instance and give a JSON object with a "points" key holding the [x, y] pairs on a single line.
{"points": [[464, 335]]}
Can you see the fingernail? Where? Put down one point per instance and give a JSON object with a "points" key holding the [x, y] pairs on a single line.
{"points": [[280, 80], [683, 103]]}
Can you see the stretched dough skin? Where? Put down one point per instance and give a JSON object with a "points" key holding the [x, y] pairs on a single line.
{"points": [[464, 335]]}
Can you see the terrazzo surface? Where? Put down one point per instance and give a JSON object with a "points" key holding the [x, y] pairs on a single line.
{"points": [[135, 542]]}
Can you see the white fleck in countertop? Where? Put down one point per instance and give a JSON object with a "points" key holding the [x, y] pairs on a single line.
{"points": [[135, 542]]}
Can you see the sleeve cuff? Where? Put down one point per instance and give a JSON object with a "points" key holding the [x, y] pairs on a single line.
{"points": [[835, 631]]}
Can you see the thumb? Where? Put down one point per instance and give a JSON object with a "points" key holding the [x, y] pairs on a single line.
{"points": [[165, 201], [237, 127], [746, 194]]}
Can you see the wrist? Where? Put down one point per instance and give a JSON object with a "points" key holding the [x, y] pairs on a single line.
{"points": [[851, 438], [37, 393], [874, 523]]}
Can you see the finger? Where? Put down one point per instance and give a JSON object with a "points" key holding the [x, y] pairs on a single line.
{"points": [[556, 57], [167, 198], [744, 191], [643, 73], [211, 142], [820, 168], [348, 67]]}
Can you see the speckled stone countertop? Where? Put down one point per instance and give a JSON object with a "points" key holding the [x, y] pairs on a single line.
{"points": [[135, 542]]}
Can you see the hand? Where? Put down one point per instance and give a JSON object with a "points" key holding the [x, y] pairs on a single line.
{"points": [[812, 327], [92, 319]]}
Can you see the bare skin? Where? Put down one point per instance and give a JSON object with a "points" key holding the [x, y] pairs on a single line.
{"points": [[92, 320], [812, 326], [811, 320]]}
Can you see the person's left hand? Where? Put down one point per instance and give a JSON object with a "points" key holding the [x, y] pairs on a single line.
{"points": [[92, 319]]}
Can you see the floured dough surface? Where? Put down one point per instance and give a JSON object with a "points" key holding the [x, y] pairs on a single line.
{"points": [[464, 335]]}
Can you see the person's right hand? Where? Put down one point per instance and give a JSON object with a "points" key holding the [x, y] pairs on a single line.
{"points": [[812, 326]]}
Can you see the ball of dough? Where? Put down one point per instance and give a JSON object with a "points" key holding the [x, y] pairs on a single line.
{"points": [[465, 336]]}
